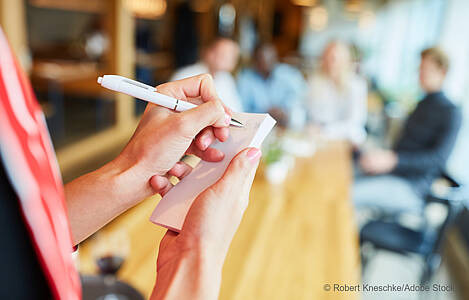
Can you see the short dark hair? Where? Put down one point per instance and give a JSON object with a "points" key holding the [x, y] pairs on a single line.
{"points": [[438, 56]]}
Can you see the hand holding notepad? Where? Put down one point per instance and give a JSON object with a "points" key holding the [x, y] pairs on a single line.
{"points": [[172, 209]]}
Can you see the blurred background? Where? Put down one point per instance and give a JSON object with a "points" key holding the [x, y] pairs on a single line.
{"points": [[288, 58]]}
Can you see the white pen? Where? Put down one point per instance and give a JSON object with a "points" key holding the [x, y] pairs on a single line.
{"points": [[147, 93]]}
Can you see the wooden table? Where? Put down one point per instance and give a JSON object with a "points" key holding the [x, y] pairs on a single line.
{"points": [[294, 238]]}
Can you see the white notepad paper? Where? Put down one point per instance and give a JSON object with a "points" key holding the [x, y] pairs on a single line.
{"points": [[172, 209]]}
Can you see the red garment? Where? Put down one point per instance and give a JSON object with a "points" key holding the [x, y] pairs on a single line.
{"points": [[31, 165]]}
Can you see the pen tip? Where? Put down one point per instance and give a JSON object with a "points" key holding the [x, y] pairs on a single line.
{"points": [[236, 123]]}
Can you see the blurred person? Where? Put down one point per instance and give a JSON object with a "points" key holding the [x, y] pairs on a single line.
{"points": [[219, 59], [272, 87], [42, 220], [400, 178], [337, 97]]}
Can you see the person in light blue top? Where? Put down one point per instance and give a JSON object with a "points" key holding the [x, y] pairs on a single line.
{"points": [[273, 87]]}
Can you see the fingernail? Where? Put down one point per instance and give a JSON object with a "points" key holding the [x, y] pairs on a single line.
{"points": [[254, 154], [205, 142], [227, 119]]}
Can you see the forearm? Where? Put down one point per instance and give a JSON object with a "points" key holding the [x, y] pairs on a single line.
{"points": [[189, 276], [96, 198]]}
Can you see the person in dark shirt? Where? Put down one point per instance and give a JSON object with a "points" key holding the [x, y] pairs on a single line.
{"points": [[398, 179]]}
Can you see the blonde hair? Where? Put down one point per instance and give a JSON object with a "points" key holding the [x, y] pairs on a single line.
{"points": [[438, 56], [345, 69]]}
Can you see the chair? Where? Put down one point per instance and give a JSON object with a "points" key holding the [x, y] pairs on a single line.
{"points": [[388, 234]]}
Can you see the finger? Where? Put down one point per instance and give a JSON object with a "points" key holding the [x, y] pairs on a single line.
{"points": [[212, 113], [210, 154], [180, 170], [166, 189], [208, 136], [228, 195], [159, 183], [204, 139], [193, 87], [227, 109], [189, 123], [241, 170], [221, 134]]}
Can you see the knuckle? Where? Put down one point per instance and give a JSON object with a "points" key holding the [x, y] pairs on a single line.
{"points": [[172, 88], [161, 88], [207, 133], [239, 163], [217, 106]]}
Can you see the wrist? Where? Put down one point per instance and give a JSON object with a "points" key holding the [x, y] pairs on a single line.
{"points": [[126, 183], [191, 274]]}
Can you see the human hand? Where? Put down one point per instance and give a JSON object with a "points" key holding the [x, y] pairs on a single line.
{"points": [[378, 161], [164, 136], [152, 154], [195, 256]]}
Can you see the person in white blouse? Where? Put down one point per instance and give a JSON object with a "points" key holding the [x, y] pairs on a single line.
{"points": [[337, 97], [219, 59]]}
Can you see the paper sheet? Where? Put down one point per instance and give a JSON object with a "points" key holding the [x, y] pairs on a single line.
{"points": [[172, 209]]}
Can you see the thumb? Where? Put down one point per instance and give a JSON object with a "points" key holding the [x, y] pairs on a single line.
{"points": [[240, 172], [211, 113]]}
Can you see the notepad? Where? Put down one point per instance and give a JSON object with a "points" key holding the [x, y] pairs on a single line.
{"points": [[171, 211]]}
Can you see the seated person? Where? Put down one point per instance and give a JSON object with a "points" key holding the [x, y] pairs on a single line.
{"points": [[219, 59], [337, 97], [271, 86], [404, 175]]}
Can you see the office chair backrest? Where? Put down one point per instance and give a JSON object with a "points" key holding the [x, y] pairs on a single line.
{"points": [[454, 200]]}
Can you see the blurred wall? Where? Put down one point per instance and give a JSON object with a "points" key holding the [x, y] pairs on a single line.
{"points": [[61, 25], [12, 21], [455, 40]]}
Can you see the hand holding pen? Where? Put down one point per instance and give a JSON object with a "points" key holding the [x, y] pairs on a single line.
{"points": [[148, 93], [164, 136]]}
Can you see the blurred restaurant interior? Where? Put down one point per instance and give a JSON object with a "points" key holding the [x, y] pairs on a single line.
{"points": [[302, 232]]}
